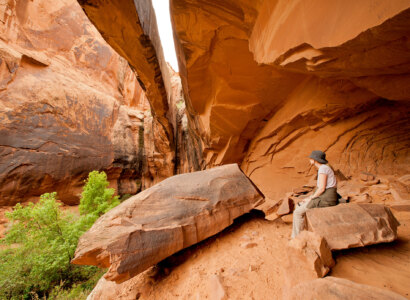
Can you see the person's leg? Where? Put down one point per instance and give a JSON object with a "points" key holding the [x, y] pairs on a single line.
{"points": [[298, 219]]}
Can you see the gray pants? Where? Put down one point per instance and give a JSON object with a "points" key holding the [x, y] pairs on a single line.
{"points": [[299, 218], [328, 198]]}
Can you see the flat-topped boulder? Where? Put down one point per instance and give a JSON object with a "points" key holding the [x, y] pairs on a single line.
{"points": [[332, 288], [174, 214], [353, 225]]}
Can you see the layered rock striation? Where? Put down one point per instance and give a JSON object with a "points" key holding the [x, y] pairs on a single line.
{"points": [[69, 105], [170, 216], [353, 225], [135, 37], [258, 85], [174, 147], [266, 82]]}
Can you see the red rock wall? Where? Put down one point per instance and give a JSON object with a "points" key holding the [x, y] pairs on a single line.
{"points": [[68, 105], [267, 82], [176, 146], [135, 37], [264, 82]]}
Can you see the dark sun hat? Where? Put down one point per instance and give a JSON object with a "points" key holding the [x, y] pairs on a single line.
{"points": [[319, 156]]}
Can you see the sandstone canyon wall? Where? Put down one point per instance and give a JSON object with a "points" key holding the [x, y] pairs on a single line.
{"points": [[267, 82], [69, 105], [135, 37]]}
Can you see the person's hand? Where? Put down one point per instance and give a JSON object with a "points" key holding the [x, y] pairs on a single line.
{"points": [[306, 200]]}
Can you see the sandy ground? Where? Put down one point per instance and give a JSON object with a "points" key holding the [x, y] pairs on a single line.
{"points": [[386, 265], [249, 261]]}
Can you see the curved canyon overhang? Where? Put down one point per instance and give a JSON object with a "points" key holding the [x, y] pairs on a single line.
{"points": [[266, 82], [130, 28]]}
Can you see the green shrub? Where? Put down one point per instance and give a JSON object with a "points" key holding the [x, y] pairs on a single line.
{"points": [[78, 291], [97, 198], [42, 239]]}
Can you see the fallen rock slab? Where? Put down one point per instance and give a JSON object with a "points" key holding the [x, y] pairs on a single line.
{"points": [[287, 218], [400, 205], [303, 190], [362, 198], [353, 225], [367, 176], [286, 207], [332, 288], [269, 207], [308, 257], [174, 214], [108, 290]]}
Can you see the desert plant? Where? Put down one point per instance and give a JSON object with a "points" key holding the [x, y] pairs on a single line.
{"points": [[97, 198], [41, 241]]}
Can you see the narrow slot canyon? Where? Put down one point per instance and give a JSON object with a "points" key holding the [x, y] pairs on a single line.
{"points": [[210, 159]]}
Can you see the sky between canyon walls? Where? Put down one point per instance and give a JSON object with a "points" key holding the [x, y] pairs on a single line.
{"points": [[161, 8]]}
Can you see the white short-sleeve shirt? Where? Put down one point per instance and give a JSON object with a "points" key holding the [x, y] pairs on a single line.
{"points": [[331, 178]]}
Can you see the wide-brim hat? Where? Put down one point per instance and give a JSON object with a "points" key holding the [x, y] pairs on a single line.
{"points": [[319, 156]]}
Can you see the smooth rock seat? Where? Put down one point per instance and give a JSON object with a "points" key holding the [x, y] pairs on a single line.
{"points": [[353, 225], [174, 214]]}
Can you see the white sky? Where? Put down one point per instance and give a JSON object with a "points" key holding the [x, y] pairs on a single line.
{"points": [[161, 8]]}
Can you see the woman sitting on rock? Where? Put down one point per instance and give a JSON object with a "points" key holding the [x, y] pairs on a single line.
{"points": [[324, 195]]}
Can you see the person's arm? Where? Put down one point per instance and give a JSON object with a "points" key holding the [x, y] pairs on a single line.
{"points": [[322, 180]]}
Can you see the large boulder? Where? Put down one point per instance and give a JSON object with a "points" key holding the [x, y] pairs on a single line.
{"points": [[174, 214], [108, 290], [332, 288], [353, 225]]}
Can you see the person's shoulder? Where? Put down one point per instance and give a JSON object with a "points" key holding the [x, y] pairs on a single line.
{"points": [[325, 169]]}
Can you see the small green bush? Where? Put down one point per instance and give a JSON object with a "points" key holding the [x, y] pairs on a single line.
{"points": [[97, 198], [78, 291], [42, 239]]}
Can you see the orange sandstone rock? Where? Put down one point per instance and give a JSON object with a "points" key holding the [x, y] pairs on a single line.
{"points": [[290, 87], [353, 225], [68, 104], [286, 207], [135, 37], [308, 257], [174, 214]]}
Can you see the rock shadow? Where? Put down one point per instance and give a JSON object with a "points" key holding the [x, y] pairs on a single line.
{"points": [[161, 270]]}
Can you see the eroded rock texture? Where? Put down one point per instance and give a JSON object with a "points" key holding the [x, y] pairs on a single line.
{"points": [[266, 82], [174, 214], [353, 225], [135, 37], [69, 105], [308, 257], [174, 147]]}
